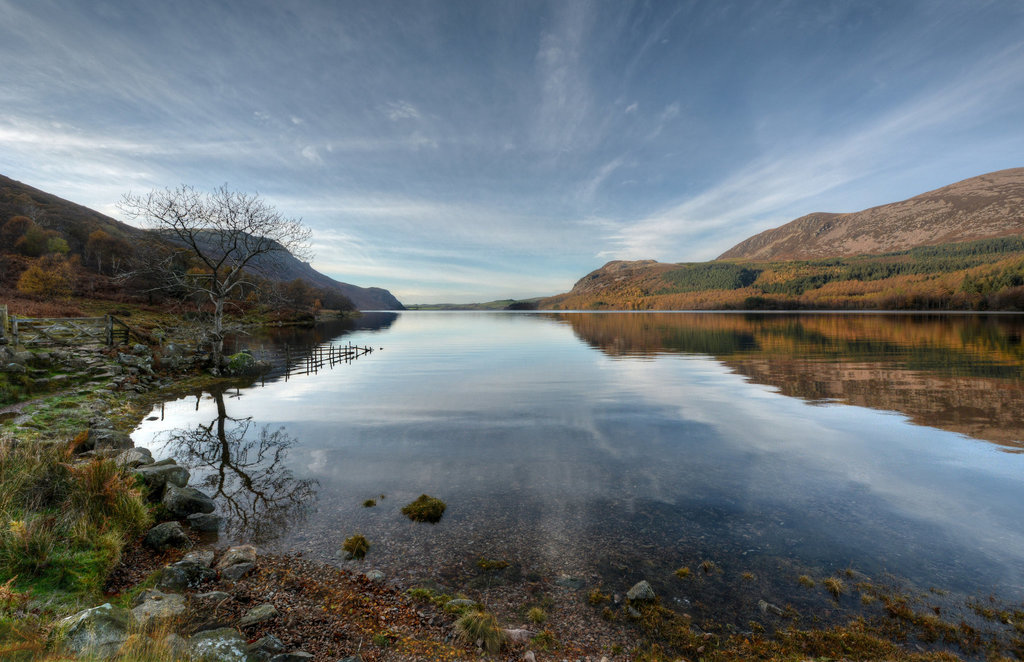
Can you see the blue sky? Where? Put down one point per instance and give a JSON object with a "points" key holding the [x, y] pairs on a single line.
{"points": [[466, 151]]}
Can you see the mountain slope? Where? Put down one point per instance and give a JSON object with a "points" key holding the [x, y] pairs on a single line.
{"points": [[76, 223], [987, 206]]}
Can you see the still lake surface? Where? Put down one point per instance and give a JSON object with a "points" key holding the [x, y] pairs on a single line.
{"points": [[613, 447]]}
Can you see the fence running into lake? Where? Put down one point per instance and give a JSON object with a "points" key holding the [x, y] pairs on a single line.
{"points": [[289, 361]]}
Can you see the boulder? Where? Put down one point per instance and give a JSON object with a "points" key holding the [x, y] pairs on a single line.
{"points": [[295, 656], [375, 576], [184, 575], [98, 632], [519, 635], [220, 645], [203, 557], [207, 522], [176, 645], [134, 458], [183, 501], [265, 648], [157, 476], [235, 555], [15, 368], [101, 438], [168, 534], [641, 592], [159, 608], [235, 572], [259, 614]]}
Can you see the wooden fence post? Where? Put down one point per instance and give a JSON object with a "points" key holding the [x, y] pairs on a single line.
{"points": [[110, 331], [14, 330], [3, 321]]}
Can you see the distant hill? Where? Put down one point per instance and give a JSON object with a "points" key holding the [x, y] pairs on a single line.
{"points": [[76, 223], [960, 247], [982, 207]]}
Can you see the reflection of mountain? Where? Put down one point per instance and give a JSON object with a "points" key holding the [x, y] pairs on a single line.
{"points": [[958, 373], [243, 467]]}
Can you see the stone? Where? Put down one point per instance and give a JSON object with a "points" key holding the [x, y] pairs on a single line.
{"points": [[203, 557], [176, 645], [265, 648], [100, 438], [21, 357], [220, 645], [172, 350], [15, 368], [158, 475], [518, 635], [352, 658], [168, 534], [641, 592], [375, 576], [183, 501], [295, 656], [575, 583], [159, 608], [768, 608], [139, 349], [97, 632], [206, 522], [528, 656], [458, 604], [235, 572], [134, 458], [258, 614], [238, 554], [184, 575]]}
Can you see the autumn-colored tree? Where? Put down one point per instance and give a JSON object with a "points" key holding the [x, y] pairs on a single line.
{"points": [[51, 276], [13, 230], [106, 251]]}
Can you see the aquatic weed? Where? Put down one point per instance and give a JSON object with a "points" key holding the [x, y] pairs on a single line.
{"points": [[357, 546], [425, 509]]}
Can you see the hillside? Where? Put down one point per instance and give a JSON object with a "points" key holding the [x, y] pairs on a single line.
{"points": [[75, 223], [983, 207], [960, 247]]}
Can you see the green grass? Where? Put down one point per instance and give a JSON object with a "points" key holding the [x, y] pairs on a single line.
{"points": [[63, 523], [481, 626]]}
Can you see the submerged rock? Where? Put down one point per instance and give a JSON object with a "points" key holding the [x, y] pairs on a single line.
{"points": [[206, 522], [641, 592]]}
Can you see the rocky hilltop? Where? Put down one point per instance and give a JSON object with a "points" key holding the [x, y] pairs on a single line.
{"points": [[982, 207]]}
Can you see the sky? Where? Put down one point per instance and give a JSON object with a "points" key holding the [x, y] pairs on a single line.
{"points": [[474, 150]]}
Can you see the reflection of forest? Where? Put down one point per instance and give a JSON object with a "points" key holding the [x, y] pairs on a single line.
{"points": [[958, 373], [243, 468]]}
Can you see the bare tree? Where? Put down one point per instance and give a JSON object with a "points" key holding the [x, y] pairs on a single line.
{"points": [[229, 233]]}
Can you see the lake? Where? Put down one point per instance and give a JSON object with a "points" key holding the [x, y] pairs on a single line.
{"points": [[598, 449]]}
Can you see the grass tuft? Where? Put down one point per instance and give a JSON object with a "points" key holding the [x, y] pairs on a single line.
{"points": [[425, 509], [357, 546], [481, 626]]}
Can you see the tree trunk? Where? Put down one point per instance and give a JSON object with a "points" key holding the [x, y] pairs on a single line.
{"points": [[217, 339]]}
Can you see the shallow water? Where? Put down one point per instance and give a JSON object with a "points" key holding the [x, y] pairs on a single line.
{"points": [[619, 446]]}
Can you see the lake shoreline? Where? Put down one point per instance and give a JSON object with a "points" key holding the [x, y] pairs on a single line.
{"points": [[574, 622]]}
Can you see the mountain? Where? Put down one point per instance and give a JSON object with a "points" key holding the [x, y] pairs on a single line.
{"points": [[960, 247], [75, 223], [982, 207]]}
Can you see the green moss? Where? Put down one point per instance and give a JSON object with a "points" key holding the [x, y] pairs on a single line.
{"points": [[425, 509], [369, 503]]}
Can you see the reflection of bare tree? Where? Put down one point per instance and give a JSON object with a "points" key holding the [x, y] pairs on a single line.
{"points": [[243, 468]]}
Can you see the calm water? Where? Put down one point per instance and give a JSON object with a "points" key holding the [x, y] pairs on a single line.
{"points": [[615, 447]]}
